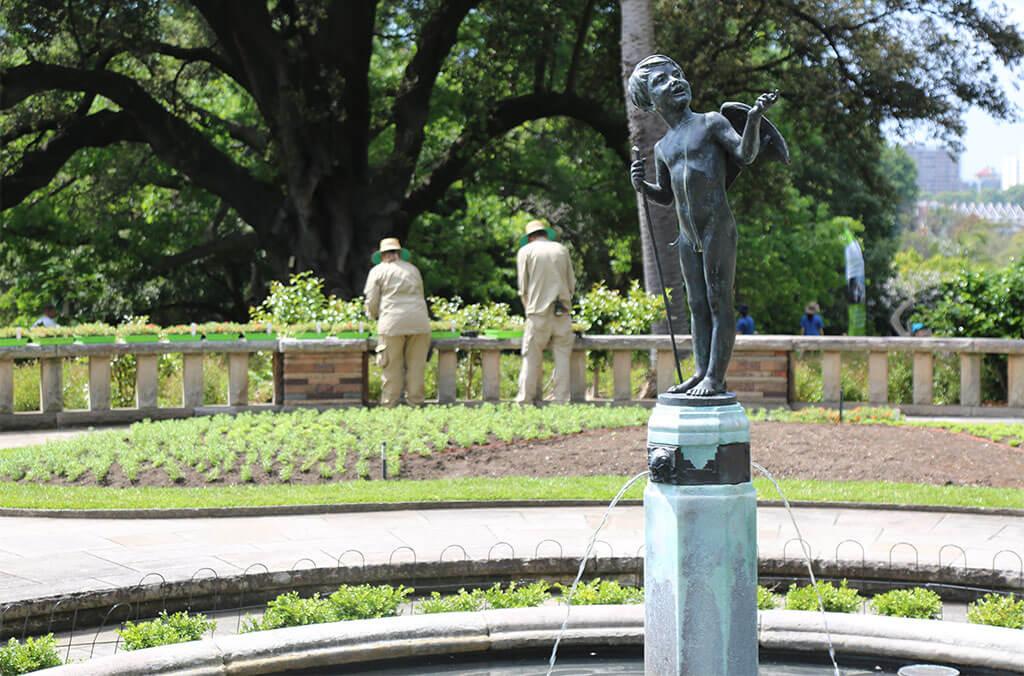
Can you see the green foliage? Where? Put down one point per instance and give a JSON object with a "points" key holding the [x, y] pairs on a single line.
{"points": [[607, 311], [165, 630], [291, 610], [766, 599], [979, 303], [32, 655], [281, 444], [461, 602], [997, 610], [600, 592], [302, 301], [839, 599], [473, 316], [514, 596], [920, 603], [366, 602], [362, 602]]}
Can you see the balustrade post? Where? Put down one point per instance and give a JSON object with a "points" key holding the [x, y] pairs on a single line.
{"points": [[99, 382], [192, 380], [238, 379], [622, 362], [1015, 381], [447, 370], [491, 367], [146, 380], [6, 386], [51, 384], [923, 378], [578, 376], [878, 378], [831, 376], [665, 369], [970, 379]]}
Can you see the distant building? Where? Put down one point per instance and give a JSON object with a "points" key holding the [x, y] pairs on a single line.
{"points": [[937, 170], [1009, 216], [1013, 169], [987, 178]]}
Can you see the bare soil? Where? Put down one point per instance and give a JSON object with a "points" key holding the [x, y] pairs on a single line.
{"points": [[789, 450]]}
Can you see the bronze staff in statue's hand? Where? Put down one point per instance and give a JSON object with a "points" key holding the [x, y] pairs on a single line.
{"points": [[695, 163]]}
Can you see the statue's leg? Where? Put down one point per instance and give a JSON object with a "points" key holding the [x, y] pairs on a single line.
{"points": [[719, 274], [692, 264]]}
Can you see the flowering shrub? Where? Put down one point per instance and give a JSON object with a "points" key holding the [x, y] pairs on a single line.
{"points": [[475, 316], [302, 300], [607, 311]]}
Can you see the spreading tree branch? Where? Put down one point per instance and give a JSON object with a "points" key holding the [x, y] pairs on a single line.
{"points": [[39, 167], [505, 116], [172, 139], [412, 104]]}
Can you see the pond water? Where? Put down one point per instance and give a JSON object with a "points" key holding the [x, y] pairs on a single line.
{"points": [[606, 662]]}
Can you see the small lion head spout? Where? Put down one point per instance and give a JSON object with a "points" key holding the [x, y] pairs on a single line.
{"points": [[660, 460]]}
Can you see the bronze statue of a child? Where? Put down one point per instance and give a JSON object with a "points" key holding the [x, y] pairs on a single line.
{"points": [[695, 162]]}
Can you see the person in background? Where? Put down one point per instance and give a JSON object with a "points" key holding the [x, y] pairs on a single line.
{"points": [[919, 330], [394, 297], [810, 323], [546, 286], [48, 319], [745, 324]]}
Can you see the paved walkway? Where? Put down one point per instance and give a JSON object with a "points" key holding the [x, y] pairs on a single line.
{"points": [[43, 556]]}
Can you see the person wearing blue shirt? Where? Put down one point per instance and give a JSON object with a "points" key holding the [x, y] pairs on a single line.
{"points": [[810, 323], [745, 324]]}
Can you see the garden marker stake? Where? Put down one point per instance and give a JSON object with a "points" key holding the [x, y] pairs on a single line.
{"points": [[384, 460], [661, 277]]}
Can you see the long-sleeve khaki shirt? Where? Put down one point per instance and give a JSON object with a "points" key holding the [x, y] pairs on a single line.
{"points": [[394, 297], [545, 275]]}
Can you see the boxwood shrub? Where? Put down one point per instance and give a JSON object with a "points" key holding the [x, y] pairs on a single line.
{"points": [[997, 610], [839, 599], [920, 603], [32, 655]]}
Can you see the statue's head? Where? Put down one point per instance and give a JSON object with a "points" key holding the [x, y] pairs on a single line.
{"points": [[658, 82]]}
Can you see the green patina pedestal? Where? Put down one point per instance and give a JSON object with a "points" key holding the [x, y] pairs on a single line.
{"points": [[700, 511]]}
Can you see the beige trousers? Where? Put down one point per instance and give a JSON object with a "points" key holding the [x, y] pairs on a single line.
{"points": [[545, 331], [402, 360]]}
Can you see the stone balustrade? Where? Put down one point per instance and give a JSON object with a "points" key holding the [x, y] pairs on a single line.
{"points": [[335, 372]]}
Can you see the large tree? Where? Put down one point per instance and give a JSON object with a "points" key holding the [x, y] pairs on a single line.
{"points": [[236, 139], [319, 159]]}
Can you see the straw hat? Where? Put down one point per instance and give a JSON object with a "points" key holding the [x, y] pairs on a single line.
{"points": [[390, 244], [537, 226], [812, 308]]}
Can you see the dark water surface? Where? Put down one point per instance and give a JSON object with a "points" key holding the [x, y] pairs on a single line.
{"points": [[605, 661]]}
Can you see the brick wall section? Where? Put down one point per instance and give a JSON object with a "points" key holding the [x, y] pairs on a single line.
{"points": [[312, 378], [759, 377]]}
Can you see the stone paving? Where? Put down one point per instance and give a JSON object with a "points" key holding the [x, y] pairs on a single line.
{"points": [[45, 556]]}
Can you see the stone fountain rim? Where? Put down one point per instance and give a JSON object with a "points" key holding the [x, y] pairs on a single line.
{"points": [[363, 641]]}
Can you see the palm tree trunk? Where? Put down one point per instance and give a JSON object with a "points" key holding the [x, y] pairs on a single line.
{"points": [[644, 130]]}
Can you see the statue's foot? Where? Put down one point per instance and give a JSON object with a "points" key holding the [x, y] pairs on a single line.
{"points": [[708, 387], [684, 387]]}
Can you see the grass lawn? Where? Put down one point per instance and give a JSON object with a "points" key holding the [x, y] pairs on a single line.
{"points": [[601, 488]]}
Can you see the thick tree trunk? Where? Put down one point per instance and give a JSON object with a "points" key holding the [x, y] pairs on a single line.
{"points": [[645, 129]]}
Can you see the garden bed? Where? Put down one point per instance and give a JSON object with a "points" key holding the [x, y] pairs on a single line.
{"points": [[789, 450], [504, 442]]}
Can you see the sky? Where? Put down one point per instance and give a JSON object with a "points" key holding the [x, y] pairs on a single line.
{"points": [[988, 141]]}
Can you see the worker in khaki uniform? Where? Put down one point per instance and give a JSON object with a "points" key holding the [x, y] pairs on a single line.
{"points": [[546, 286], [394, 297]]}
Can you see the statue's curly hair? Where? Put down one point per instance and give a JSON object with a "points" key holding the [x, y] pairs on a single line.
{"points": [[639, 92]]}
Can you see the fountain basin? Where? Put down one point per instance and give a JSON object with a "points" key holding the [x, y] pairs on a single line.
{"points": [[987, 650]]}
